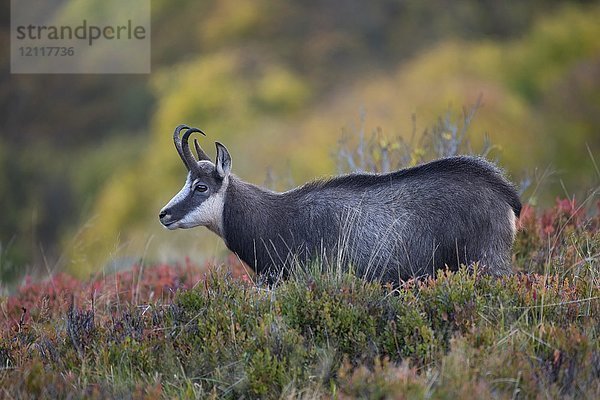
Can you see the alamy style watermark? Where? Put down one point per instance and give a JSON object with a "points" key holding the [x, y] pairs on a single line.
{"points": [[90, 33], [80, 36]]}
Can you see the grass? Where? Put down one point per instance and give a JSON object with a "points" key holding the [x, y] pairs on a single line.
{"points": [[182, 332]]}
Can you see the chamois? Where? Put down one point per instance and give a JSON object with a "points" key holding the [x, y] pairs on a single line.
{"points": [[390, 227]]}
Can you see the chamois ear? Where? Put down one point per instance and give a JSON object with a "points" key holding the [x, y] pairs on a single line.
{"points": [[223, 161]]}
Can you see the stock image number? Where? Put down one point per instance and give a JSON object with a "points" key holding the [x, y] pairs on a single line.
{"points": [[47, 51]]}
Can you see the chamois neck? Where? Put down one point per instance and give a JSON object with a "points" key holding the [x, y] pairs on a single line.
{"points": [[240, 186], [246, 203], [251, 215]]}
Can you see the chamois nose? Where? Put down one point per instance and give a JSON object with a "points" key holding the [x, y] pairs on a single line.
{"points": [[162, 214]]}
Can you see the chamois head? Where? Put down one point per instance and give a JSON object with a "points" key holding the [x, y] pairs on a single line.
{"points": [[200, 201]]}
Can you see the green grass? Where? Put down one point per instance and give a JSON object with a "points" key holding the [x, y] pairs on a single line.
{"points": [[172, 332]]}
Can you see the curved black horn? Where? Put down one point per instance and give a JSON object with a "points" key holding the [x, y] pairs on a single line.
{"points": [[177, 141], [186, 147], [183, 147]]}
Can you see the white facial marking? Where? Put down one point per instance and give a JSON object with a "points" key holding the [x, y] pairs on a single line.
{"points": [[183, 193], [209, 213]]}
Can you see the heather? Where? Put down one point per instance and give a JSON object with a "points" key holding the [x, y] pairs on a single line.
{"points": [[215, 331]]}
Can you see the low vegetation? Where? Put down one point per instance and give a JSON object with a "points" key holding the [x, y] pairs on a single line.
{"points": [[184, 331]]}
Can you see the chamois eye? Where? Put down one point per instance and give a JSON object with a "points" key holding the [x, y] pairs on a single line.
{"points": [[201, 188]]}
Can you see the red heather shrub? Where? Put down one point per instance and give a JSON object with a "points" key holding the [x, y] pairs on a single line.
{"points": [[36, 298], [43, 300], [527, 217], [555, 237], [566, 213]]}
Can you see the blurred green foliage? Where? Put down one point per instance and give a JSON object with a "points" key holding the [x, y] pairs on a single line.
{"points": [[87, 161]]}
